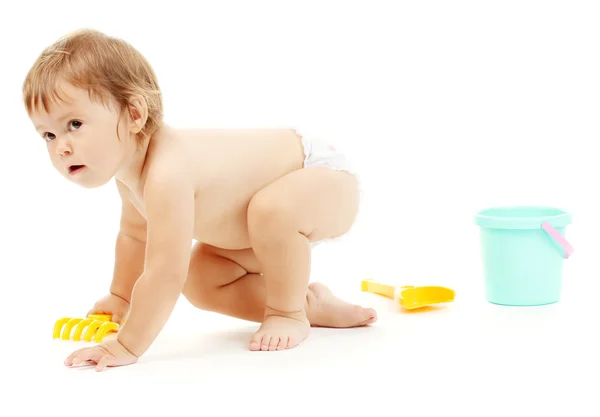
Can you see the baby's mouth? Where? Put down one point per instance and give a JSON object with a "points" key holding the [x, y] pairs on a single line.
{"points": [[74, 169]]}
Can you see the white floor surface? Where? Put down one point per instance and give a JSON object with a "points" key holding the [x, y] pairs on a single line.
{"points": [[467, 356]]}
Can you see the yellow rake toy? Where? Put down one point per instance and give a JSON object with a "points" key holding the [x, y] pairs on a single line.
{"points": [[98, 326], [410, 297]]}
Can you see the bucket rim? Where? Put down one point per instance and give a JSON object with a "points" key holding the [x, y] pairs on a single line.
{"points": [[556, 216]]}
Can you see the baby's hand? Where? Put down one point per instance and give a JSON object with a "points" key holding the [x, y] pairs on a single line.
{"points": [[111, 304], [110, 353]]}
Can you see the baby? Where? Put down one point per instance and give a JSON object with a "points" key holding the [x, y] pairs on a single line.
{"points": [[256, 201]]}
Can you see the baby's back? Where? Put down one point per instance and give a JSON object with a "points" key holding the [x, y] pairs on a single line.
{"points": [[230, 167]]}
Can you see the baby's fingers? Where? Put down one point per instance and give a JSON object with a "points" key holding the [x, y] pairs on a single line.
{"points": [[116, 317], [93, 354], [72, 356], [106, 360]]}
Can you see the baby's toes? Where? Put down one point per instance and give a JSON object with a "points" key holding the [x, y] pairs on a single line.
{"points": [[274, 343], [256, 341], [283, 343], [266, 340]]}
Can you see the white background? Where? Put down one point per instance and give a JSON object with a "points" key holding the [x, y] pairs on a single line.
{"points": [[446, 107]]}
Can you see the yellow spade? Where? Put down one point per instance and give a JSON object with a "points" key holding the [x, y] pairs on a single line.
{"points": [[410, 297]]}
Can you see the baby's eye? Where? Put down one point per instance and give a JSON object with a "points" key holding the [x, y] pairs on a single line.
{"points": [[74, 124], [48, 136]]}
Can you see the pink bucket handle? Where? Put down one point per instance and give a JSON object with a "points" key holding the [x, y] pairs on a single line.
{"points": [[560, 239]]}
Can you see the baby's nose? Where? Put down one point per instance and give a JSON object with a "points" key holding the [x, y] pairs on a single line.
{"points": [[63, 147]]}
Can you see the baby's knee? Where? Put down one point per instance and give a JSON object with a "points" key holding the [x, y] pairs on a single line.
{"points": [[198, 288], [267, 215], [199, 294]]}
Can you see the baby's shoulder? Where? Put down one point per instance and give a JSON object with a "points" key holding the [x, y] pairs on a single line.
{"points": [[167, 169]]}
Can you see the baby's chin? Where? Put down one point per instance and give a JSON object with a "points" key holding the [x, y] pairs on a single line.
{"points": [[89, 181], [93, 184]]}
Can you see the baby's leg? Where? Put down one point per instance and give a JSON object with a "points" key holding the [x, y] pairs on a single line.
{"points": [[283, 218], [225, 282], [228, 282]]}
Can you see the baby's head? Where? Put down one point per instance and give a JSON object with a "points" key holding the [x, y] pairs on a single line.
{"points": [[95, 100]]}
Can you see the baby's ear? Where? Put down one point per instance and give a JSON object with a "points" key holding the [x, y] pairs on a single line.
{"points": [[138, 113]]}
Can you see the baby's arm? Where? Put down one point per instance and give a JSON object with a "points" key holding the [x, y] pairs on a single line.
{"points": [[169, 201], [130, 248]]}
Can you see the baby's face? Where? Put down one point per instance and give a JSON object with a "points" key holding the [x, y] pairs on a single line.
{"points": [[81, 137]]}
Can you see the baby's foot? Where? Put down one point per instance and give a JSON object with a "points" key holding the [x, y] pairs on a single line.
{"points": [[280, 331], [323, 309], [326, 310]]}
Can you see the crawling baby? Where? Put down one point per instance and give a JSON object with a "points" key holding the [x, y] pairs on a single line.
{"points": [[255, 200]]}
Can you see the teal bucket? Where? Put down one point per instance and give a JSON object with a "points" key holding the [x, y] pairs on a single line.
{"points": [[523, 251]]}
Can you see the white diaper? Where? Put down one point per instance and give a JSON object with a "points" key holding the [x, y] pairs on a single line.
{"points": [[318, 153]]}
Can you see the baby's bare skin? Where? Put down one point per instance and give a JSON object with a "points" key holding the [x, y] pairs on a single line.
{"points": [[227, 168], [242, 194]]}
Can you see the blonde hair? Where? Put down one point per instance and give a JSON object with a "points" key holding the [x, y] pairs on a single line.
{"points": [[105, 66]]}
